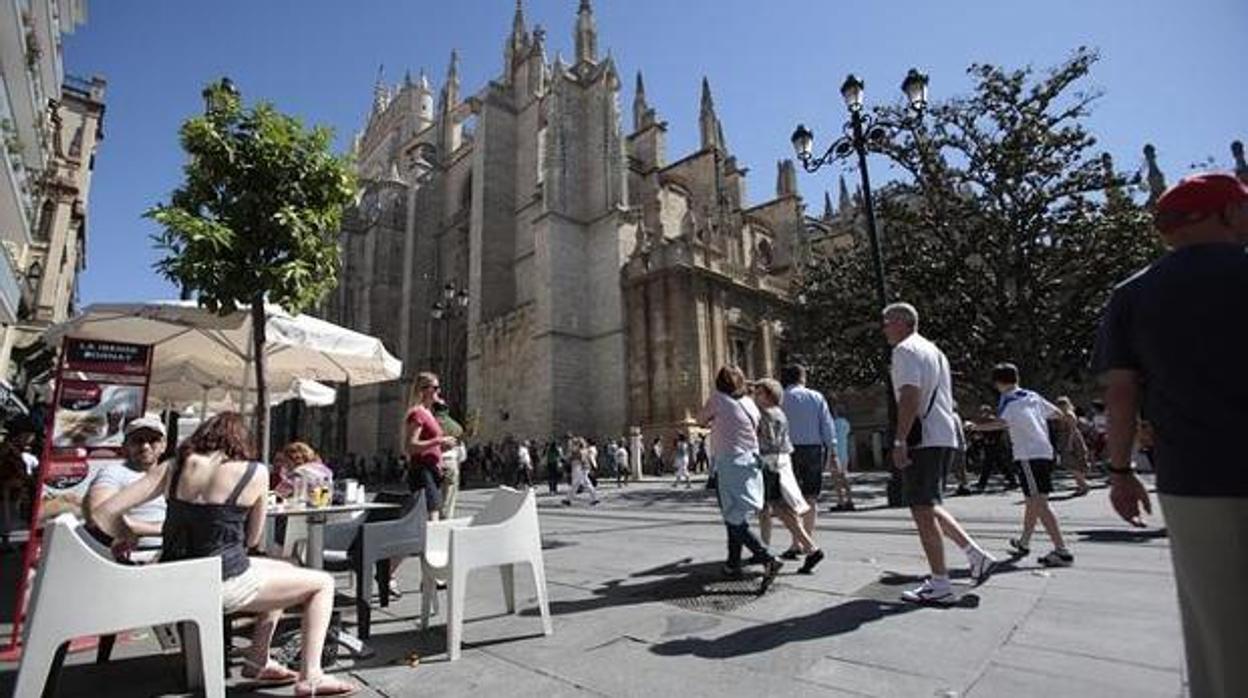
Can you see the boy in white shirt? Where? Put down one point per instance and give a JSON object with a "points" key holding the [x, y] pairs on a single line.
{"points": [[1025, 414]]}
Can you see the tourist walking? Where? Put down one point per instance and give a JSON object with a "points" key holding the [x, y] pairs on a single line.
{"points": [[701, 461], [1171, 349], [783, 497], [216, 493], [554, 465], [524, 464], [621, 464], [960, 458], [656, 455], [680, 460], [924, 445], [733, 419], [579, 457], [813, 434], [1025, 414], [1072, 450], [993, 451], [425, 443]]}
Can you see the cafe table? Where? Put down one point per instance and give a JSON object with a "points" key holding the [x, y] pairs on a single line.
{"points": [[314, 556]]}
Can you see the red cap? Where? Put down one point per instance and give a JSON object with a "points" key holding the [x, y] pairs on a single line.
{"points": [[1197, 197]]}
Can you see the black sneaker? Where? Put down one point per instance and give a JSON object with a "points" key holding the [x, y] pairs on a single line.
{"points": [[963, 491], [759, 559], [1057, 558], [731, 572], [790, 554], [769, 575], [812, 559], [1018, 549]]}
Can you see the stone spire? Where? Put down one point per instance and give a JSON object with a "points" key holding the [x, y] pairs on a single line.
{"points": [[586, 34], [1241, 166], [425, 93], [517, 43], [786, 178], [640, 108], [708, 123], [1156, 180], [517, 25], [450, 130], [827, 205], [844, 204], [380, 93], [450, 91]]}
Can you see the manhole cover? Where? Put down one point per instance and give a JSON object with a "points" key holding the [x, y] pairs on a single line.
{"points": [[708, 593]]}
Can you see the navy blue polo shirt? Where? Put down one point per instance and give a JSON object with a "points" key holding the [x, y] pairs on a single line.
{"points": [[1182, 323]]}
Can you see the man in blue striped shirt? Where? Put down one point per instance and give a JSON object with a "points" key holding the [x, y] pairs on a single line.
{"points": [[813, 434]]}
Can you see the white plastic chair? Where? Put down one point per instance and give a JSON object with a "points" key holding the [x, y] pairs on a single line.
{"points": [[78, 592], [502, 535]]}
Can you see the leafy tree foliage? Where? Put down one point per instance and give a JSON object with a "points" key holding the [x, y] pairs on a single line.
{"points": [[257, 216], [1004, 228]]}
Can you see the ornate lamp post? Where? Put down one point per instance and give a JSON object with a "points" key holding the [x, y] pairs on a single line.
{"points": [[452, 304], [862, 133]]}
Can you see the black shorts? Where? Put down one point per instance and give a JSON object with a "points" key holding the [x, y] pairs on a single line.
{"points": [[923, 481], [1035, 475], [808, 462], [771, 486]]}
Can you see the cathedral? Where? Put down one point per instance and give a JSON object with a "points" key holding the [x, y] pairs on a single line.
{"points": [[561, 274]]}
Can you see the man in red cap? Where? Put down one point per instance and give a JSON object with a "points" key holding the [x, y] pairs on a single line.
{"points": [[1172, 349]]}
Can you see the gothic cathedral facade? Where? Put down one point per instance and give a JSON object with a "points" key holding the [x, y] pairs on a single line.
{"points": [[559, 274]]}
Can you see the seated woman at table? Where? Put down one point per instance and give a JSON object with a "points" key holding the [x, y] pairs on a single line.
{"points": [[297, 461], [216, 495]]}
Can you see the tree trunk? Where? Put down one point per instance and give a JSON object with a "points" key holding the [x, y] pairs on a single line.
{"points": [[258, 322]]}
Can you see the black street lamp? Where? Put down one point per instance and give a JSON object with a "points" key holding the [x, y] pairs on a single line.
{"points": [[451, 304], [864, 132]]}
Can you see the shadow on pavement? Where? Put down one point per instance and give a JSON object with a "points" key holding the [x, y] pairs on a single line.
{"points": [[828, 622], [1119, 535]]}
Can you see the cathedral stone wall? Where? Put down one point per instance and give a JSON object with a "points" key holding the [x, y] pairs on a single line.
{"points": [[605, 286]]}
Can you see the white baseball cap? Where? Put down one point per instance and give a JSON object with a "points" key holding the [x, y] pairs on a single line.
{"points": [[148, 421]]}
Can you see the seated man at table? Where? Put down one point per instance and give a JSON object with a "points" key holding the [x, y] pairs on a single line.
{"points": [[144, 444]]}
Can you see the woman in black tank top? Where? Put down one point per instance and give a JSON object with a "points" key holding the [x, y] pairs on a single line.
{"points": [[216, 494]]}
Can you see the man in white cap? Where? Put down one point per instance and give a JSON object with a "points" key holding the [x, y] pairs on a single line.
{"points": [[144, 444]]}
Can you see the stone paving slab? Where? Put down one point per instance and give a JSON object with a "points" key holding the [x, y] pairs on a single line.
{"points": [[639, 610]]}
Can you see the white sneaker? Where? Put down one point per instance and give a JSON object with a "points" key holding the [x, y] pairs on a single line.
{"points": [[981, 564], [929, 592]]}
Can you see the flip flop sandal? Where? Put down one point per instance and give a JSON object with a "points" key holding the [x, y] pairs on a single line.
{"points": [[325, 686], [270, 674]]}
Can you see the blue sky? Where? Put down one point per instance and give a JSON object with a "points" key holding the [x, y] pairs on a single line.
{"points": [[1173, 73]]}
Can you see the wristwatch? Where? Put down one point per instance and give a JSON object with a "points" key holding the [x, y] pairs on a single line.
{"points": [[1120, 471], [898, 442]]}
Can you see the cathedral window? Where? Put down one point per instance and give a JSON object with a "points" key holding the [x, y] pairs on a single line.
{"points": [[541, 155]]}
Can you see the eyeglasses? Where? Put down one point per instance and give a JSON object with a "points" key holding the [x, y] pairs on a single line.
{"points": [[141, 439]]}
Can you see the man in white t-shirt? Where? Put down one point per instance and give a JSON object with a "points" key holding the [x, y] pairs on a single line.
{"points": [[524, 460], [1025, 414], [924, 446], [144, 444]]}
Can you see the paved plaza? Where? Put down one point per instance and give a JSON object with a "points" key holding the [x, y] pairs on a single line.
{"points": [[640, 610]]}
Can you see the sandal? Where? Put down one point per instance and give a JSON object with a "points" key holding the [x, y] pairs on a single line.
{"points": [[325, 685], [271, 673]]}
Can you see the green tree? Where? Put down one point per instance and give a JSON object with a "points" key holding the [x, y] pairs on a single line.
{"points": [[257, 216], [1005, 228]]}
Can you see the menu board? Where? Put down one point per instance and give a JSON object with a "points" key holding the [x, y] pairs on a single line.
{"points": [[100, 387]]}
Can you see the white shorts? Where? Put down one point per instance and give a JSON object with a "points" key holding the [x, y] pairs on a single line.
{"points": [[240, 590]]}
